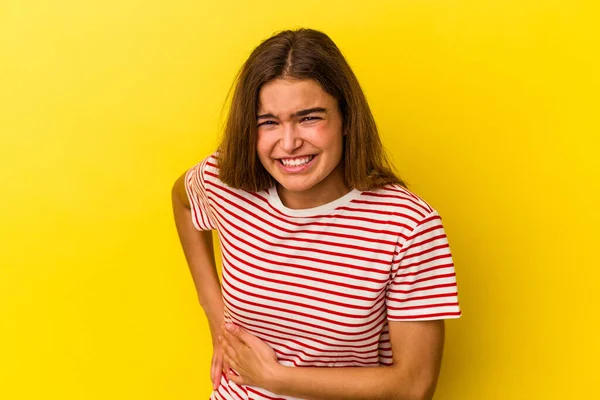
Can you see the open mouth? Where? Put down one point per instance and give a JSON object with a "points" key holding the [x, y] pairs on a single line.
{"points": [[296, 162]]}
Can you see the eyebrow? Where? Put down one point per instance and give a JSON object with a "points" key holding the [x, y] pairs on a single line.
{"points": [[300, 113]]}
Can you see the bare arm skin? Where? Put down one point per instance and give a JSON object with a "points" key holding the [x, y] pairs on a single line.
{"points": [[417, 353], [198, 249]]}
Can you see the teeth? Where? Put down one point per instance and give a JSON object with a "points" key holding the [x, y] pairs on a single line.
{"points": [[296, 162]]}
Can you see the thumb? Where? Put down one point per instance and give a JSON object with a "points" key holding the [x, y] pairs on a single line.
{"points": [[238, 332]]}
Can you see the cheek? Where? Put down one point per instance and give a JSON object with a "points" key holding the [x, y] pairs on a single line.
{"points": [[263, 146], [327, 137]]}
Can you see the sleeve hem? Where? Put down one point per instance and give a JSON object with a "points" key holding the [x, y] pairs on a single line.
{"points": [[190, 197], [413, 318]]}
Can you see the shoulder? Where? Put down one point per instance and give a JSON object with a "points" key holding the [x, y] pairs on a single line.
{"points": [[205, 171], [205, 174], [208, 164], [401, 204]]}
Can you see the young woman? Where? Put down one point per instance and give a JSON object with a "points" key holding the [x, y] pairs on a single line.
{"points": [[336, 278]]}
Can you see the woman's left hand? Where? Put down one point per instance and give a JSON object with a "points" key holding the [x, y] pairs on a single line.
{"points": [[254, 360]]}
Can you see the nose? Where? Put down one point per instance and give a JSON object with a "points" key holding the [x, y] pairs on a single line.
{"points": [[290, 140]]}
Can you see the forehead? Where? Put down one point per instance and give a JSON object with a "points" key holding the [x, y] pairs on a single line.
{"points": [[285, 95]]}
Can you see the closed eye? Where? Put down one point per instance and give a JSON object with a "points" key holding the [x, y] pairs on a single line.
{"points": [[309, 119]]}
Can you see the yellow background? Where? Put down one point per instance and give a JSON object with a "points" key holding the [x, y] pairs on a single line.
{"points": [[490, 110]]}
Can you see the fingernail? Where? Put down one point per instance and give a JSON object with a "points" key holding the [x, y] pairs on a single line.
{"points": [[229, 326]]}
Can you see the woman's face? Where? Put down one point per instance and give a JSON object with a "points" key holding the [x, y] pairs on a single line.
{"points": [[300, 136]]}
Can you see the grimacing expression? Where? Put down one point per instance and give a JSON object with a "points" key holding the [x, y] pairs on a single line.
{"points": [[300, 141]]}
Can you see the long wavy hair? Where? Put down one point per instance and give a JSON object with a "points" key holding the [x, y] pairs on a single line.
{"points": [[301, 54]]}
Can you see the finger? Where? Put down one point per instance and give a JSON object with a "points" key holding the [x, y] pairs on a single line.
{"points": [[230, 352], [232, 363], [218, 370], [225, 367], [235, 330], [241, 335], [231, 341], [238, 380], [212, 369]]}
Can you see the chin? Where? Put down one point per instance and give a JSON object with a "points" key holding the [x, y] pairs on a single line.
{"points": [[291, 186]]}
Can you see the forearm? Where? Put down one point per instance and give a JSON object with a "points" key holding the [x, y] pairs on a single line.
{"points": [[352, 383], [198, 249]]}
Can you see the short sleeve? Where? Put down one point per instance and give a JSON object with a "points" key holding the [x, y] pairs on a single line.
{"points": [[195, 187], [423, 280]]}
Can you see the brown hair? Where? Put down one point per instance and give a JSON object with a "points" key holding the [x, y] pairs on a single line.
{"points": [[301, 54]]}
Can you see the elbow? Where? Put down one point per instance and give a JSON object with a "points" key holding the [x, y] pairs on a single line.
{"points": [[417, 388], [413, 394], [422, 389], [422, 395]]}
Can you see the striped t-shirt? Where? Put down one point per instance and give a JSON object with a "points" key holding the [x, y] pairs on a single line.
{"points": [[319, 285]]}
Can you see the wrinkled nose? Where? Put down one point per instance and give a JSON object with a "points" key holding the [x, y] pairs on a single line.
{"points": [[290, 140]]}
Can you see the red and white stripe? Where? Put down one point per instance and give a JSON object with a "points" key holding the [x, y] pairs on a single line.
{"points": [[319, 289]]}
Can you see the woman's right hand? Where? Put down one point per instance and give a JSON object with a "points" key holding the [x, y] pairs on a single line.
{"points": [[218, 366]]}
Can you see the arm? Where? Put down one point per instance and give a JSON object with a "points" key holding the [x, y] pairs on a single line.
{"points": [[198, 249], [417, 351]]}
